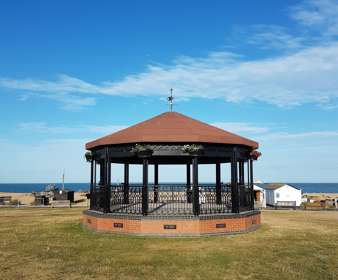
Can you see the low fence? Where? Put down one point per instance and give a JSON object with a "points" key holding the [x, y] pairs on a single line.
{"points": [[127, 201], [171, 199]]}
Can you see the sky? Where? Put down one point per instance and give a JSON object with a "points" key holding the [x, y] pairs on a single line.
{"points": [[73, 71]]}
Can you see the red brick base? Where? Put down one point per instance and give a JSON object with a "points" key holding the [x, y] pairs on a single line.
{"points": [[175, 226]]}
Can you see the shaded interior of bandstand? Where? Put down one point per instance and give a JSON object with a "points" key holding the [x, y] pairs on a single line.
{"points": [[191, 198]]}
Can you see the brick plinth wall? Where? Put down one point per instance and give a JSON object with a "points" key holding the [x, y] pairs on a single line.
{"points": [[173, 226]]}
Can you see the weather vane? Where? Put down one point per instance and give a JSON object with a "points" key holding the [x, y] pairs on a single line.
{"points": [[170, 100]]}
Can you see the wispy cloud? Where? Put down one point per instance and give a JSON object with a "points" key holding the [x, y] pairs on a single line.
{"points": [[63, 84], [307, 76], [43, 127], [21, 167], [304, 74], [64, 90], [71, 102], [301, 135], [263, 132], [318, 14], [292, 154], [270, 37], [270, 133], [241, 127]]}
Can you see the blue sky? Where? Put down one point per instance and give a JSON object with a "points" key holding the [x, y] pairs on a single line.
{"points": [[72, 71]]}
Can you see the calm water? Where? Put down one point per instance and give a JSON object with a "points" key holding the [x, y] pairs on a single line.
{"points": [[306, 187]]}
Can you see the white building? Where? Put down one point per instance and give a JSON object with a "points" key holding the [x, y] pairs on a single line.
{"points": [[260, 196], [283, 195]]}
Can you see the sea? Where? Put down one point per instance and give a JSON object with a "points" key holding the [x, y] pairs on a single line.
{"points": [[37, 187]]}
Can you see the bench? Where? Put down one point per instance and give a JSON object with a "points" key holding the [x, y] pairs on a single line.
{"points": [[5, 200], [286, 204], [60, 203]]}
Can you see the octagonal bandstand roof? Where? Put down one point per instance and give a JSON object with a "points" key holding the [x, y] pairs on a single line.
{"points": [[172, 127]]}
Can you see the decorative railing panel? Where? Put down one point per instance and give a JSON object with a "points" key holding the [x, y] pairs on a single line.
{"points": [[129, 202], [245, 198], [97, 198], [209, 204], [168, 199]]}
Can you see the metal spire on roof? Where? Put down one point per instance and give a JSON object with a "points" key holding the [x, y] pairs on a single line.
{"points": [[170, 100]]}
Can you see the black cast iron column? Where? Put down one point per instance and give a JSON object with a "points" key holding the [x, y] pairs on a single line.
{"points": [[107, 182], [91, 184], [251, 186], [195, 188], [234, 184], [155, 183], [188, 186], [94, 202], [102, 172], [145, 188], [126, 184], [218, 184], [242, 195], [241, 173]]}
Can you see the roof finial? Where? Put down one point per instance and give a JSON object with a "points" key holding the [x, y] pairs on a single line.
{"points": [[170, 100]]}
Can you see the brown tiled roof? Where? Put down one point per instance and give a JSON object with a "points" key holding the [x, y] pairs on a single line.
{"points": [[172, 127]]}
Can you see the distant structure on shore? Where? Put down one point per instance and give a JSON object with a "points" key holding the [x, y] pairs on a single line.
{"points": [[277, 195], [54, 195], [283, 195], [260, 196]]}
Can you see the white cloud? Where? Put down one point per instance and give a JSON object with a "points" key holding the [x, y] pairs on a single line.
{"points": [[44, 161], [288, 157], [72, 102], [270, 37], [318, 14], [43, 127], [241, 127], [307, 156], [301, 135], [63, 84], [307, 76], [65, 90]]}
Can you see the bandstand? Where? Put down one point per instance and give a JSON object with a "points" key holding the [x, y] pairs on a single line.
{"points": [[190, 209]]}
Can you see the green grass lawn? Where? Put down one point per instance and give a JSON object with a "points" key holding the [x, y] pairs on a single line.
{"points": [[51, 244]]}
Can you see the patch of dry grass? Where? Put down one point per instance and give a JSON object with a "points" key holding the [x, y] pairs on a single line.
{"points": [[51, 244]]}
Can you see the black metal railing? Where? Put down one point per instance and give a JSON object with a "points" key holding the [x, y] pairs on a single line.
{"points": [[97, 199], [209, 204], [171, 199], [126, 202], [245, 198]]}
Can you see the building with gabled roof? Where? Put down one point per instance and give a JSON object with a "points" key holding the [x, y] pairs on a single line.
{"points": [[283, 195]]}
